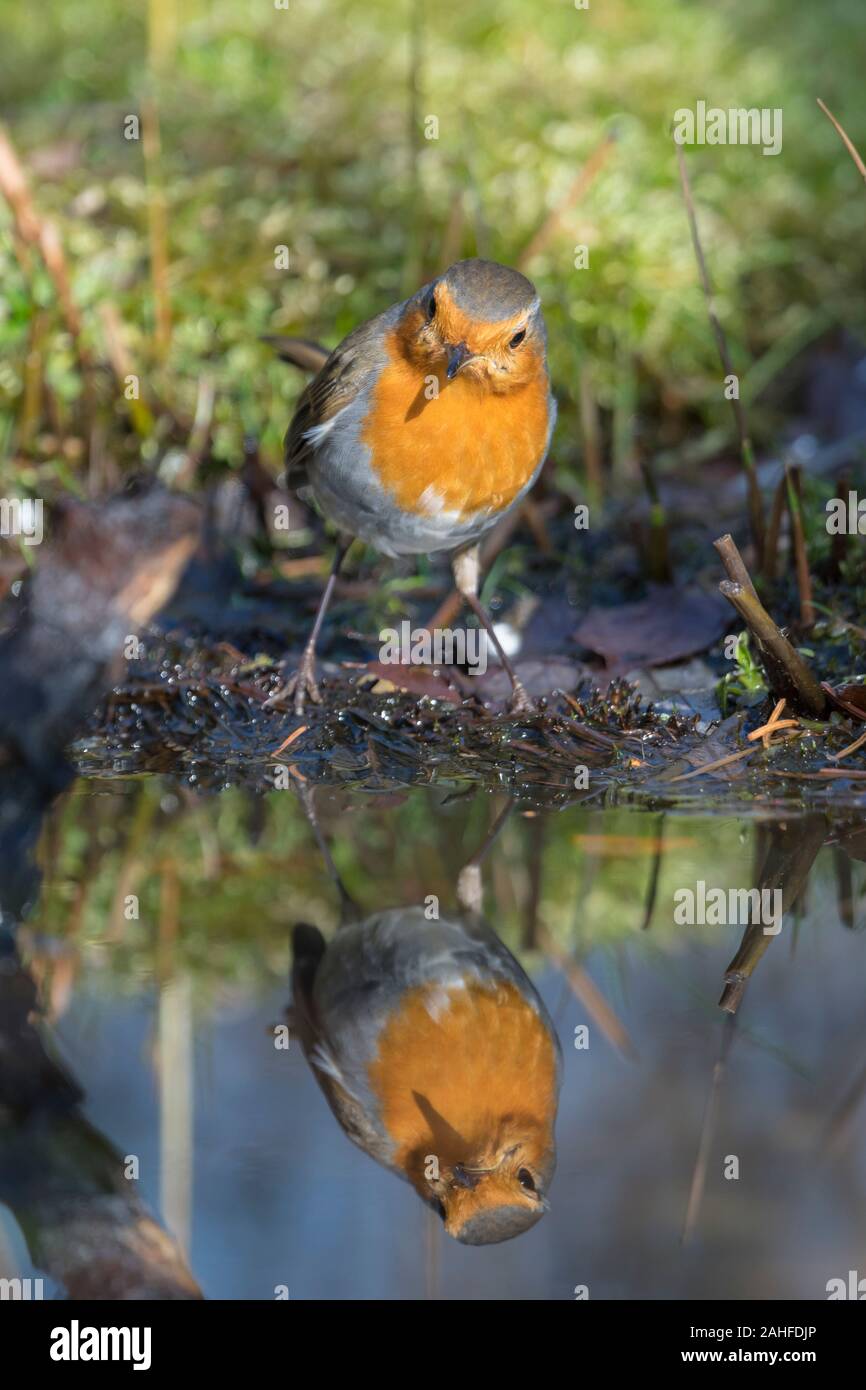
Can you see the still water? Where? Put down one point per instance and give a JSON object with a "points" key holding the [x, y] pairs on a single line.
{"points": [[700, 1153]]}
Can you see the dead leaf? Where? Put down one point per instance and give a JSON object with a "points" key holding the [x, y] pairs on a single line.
{"points": [[417, 680], [664, 627]]}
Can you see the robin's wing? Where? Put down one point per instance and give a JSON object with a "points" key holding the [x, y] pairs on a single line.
{"points": [[347, 370], [308, 948], [372, 964]]}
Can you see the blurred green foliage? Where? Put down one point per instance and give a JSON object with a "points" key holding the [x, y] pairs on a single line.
{"points": [[220, 880], [298, 127]]}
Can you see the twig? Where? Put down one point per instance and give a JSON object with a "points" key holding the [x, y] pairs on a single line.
{"points": [[589, 995], [852, 748], [793, 490], [579, 186], [851, 627], [774, 723], [714, 766], [296, 733], [157, 224], [839, 539], [590, 430], [771, 542], [36, 231], [848, 143], [708, 1126], [652, 886], [756, 504], [122, 366], [659, 566]]}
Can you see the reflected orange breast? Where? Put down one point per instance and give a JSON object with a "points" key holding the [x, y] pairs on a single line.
{"points": [[448, 1069], [468, 450]]}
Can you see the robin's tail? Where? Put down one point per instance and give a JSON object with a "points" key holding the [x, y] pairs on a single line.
{"points": [[300, 352], [308, 947]]}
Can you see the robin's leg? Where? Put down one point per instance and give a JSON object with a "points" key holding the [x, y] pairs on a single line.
{"points": [[349, 909], [303, 682], [465, 565], [469, 890]]}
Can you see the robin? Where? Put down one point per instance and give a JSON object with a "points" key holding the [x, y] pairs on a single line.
{"points": [[438, 1058], [426, 426]]}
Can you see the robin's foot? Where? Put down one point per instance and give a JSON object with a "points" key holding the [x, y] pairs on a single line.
{"points": [[520, 702], [301, 686]]}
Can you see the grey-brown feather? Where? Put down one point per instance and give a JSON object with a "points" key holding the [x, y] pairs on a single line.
{"points": [[354, 362], [488, 291]]}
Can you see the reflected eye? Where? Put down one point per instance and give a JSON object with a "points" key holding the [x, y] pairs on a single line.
{"points": [[431, 307], [526, 1180], [518, 338]]}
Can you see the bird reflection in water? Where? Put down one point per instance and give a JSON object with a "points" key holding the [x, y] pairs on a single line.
{"points": [[436, 1054]]}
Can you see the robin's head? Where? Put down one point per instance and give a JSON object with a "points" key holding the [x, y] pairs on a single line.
{"points": [[479, 321], [498, 1194]]}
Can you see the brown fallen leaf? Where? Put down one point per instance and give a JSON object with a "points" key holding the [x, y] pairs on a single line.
{"points": [[665, 626], [415, 679], [850, 698]]}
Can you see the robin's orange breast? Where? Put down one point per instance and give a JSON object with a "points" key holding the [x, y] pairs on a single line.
{"points": [[451, 1063], [466, 451]]}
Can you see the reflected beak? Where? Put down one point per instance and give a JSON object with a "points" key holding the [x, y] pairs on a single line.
{"points": [[456, 357]]}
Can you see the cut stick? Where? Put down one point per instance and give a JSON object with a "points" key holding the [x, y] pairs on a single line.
{"points": [[790, 855], [735, 567], [788, 675]]}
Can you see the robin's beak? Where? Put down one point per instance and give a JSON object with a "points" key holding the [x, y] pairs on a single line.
{"points": [[456, 357]]}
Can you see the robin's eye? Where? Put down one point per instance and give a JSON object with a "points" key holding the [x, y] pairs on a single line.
{"points": [[526, 1180], [431, 307], [518, 338]]}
